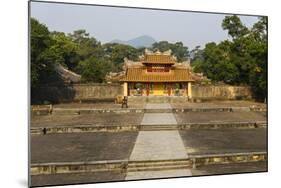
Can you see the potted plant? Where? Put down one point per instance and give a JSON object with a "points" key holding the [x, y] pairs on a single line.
{"points": [[139, 88], [177, 89]]}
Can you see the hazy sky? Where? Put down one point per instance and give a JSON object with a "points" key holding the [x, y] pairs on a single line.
{"points": [[109, 23]]}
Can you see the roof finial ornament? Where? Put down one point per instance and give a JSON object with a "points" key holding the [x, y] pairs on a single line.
{"points": [[158, 52], [147, 51], [167, 52]]}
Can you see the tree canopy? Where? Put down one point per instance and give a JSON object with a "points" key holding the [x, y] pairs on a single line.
{"points": [[44, 55], [241, 60], [178, 49]]}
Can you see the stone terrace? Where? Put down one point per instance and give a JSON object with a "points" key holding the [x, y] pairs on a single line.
{"points": [[74, 178], [217, 117], [87, 119], [114, 119], [224, 140], [91, 177], [219, 104], [77, 147], [97, 105]]}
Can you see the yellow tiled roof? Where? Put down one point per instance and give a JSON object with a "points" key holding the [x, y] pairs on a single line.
{"points": [[158, 59], [140, 75]]}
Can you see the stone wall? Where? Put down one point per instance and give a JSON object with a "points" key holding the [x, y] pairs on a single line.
{"points": [[76, 92], [107, 92], [97, 91], [221, 92]]}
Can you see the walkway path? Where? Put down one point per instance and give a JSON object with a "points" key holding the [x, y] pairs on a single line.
{"points": [[158, 145]]}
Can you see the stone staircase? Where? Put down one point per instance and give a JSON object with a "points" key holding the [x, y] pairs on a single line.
{"points": [[157, 99]]}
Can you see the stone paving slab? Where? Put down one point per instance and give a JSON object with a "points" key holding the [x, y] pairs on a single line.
{"points": [[158, 145], [158, 106], [211, 117], [224, 140], [79, 147], [87, 119], [74, 178], [158, 119], [158, 174]]}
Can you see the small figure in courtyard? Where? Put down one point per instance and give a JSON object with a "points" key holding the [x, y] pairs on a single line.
{"points": [[125, 102], [44, 130]]}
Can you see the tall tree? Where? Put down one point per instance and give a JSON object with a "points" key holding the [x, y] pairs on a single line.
{"points": [[93, 69], [64, 46], [178, 49], [87, 46], [234, 26], [117, 52], [43, 56], [241, 60]]}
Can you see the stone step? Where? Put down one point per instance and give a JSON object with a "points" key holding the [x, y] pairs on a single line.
{"points": [[78, 111], [73, 111], [158, 127], [83, 129], [150, 165], [228, 158], [157, 99], [217, 125], [158, 110], [148, 127], [203, 109], [241, 109], [77, 167], [152, 174], [158, 165]]}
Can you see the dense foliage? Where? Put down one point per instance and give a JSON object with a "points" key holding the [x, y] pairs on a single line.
{"points": [[43, 55], [178, 49], [77, 52], [239, 61]]}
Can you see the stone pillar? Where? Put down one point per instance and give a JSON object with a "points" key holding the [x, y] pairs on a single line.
{"points": [[125, 88], [189, 90]]}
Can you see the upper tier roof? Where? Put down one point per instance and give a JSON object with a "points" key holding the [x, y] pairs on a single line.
{"points": [[158, 59]]}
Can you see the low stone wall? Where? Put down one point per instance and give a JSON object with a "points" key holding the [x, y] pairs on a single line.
{"points": [[97, 91], [76, 92], [223, 92], [108, 92]]}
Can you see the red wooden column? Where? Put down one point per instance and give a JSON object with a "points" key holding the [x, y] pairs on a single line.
{"points": [[147, 89], [169, 89]]}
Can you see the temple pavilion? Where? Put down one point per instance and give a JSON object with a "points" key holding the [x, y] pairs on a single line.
{"points": [[157, 74]]}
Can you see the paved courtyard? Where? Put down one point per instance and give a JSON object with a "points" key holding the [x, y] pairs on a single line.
{"points": [[146, 146]]}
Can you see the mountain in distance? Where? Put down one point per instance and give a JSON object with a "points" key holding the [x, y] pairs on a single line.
{"points": [[141, 41]]}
